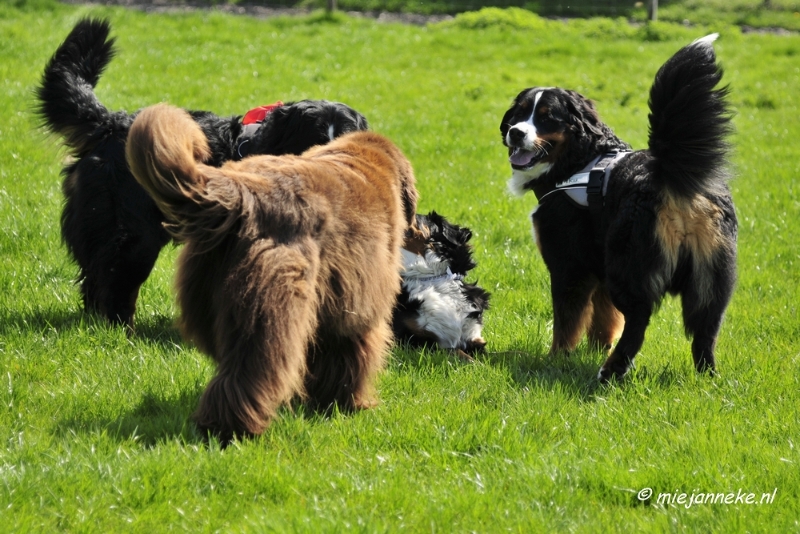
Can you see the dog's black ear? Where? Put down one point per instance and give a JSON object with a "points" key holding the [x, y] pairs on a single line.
{"points": [[456, 234], [583, 117], [360, 121], [504, 124]]}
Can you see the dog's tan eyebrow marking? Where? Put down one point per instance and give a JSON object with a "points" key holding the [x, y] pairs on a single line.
{"points": [[544, 110]]}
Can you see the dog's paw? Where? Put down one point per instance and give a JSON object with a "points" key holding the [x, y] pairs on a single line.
{"points": [[607, 374]]}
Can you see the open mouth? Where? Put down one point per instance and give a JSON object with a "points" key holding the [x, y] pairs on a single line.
{"points": [[522, 159]]}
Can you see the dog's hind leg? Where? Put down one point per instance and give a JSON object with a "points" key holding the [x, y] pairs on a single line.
{"points": [[607, 321], [342, 370], [267, 316], [572, 309], [636, 320], [703, 319]]}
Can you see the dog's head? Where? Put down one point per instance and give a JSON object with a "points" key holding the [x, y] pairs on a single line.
{"points": [[449, 241], [551, 129], [294, 127]]}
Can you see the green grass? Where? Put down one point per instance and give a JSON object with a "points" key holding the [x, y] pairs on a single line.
{"points": [[94, 427], [779, 14]]}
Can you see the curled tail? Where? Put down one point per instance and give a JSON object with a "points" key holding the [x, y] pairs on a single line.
{"points": [[164, 149], [67, 103], [689, 121]]}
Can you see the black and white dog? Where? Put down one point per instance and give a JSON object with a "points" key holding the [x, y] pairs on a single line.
{"points": [[111, 227], [436, 305], [619, 229]]}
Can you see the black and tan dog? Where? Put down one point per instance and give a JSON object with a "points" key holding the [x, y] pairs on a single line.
{"points": [[619, 229], [111, 227], [291, 264]]}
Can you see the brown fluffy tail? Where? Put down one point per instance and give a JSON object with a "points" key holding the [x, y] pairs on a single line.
{"points": [[165, 146]]}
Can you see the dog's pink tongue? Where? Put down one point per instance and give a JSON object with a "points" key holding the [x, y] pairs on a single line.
{"points": [[521, 157]]}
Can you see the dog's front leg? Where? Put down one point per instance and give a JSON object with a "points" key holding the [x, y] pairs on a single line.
{"points": [[607, 321], [572, 308]]}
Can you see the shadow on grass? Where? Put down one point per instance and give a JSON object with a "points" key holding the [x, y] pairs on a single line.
{"points": [[160, 330], [154, 420], [575, 373], [16, 322]]}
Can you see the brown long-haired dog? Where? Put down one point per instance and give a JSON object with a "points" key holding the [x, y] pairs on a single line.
{"points": [[290, 269]]}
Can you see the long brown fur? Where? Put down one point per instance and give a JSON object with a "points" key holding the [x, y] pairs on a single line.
{"points": [[290, 269]]}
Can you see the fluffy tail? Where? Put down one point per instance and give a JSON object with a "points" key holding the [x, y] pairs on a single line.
{"points": [[67, 103], [689, 120], [164, 149]]}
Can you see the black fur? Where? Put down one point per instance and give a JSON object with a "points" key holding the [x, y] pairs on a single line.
{"points": [[667, 224], [110, 226]]}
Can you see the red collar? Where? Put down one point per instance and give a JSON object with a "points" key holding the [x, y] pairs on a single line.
{"points": [[256, 115]]}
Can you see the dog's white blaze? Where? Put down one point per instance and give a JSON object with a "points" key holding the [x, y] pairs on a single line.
{"points": [[528, 129], [527, 126], [330, 132], [516, 184]]}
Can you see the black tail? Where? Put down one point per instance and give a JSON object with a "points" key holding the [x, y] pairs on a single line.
{"points": [[689, 120], [67, 103]]}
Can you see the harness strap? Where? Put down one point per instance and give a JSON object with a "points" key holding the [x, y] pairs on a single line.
{"points": [[597, 179], [587, 188]]}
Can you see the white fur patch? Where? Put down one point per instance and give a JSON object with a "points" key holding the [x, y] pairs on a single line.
{"points": [[708, 40], [527, 126], [330, 132], [444, 308], [519, 179]]}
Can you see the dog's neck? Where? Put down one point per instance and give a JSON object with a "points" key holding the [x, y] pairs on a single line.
{"points": [[578, 186], [251, 122]]}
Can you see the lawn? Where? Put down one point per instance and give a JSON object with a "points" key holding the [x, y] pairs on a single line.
{"points": [[94, 426]]}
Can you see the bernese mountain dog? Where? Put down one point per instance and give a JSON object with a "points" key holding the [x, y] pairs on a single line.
{"points": [[110, 225], [618, 229], [436, 305], [290, 269]]}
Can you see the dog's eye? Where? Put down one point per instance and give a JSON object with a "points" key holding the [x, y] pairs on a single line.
{"points": [[546, 121]]}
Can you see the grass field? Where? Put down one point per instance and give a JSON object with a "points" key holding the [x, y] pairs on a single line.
{"points": [[94, 426]]}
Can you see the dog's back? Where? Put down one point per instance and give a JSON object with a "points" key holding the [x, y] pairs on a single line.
{"points": [[291, 264]]}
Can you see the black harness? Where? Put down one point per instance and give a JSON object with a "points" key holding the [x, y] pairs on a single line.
{"points": [[587, 188]]}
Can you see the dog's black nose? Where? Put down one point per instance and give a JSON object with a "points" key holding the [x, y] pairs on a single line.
{"points": [[515, 134]]}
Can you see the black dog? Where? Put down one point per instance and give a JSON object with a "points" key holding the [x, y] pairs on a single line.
{"points": [[618, 230], [111, 227], [436, 305]]}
